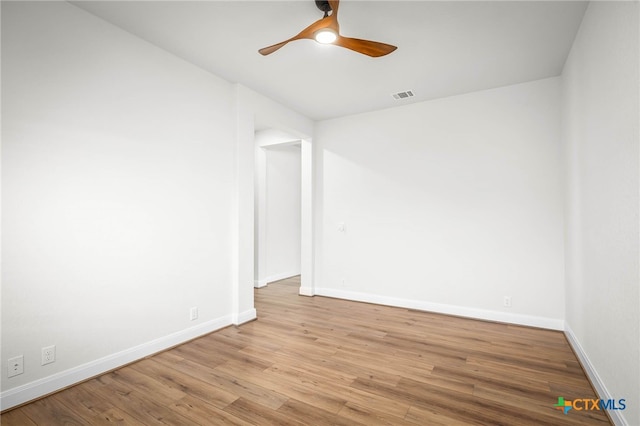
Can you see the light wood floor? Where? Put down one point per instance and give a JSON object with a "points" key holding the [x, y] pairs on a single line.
{"points": [[315, 361]]}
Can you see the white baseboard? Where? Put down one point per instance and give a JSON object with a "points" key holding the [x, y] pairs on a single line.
{"points": [[259, 283], [462, 311], [280, 276], [306, 291], [246, 316], [41, 387], [596, 381]]}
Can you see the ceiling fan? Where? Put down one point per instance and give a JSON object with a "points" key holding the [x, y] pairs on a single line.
{"points": [[327, 31]]}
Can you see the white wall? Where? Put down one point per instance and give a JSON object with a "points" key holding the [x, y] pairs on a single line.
{"points": [[118, 199], [283, 212], [600, 128], [448, 205]]}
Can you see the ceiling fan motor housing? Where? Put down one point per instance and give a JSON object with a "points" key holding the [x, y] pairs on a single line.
{"points": [[323, 5]]}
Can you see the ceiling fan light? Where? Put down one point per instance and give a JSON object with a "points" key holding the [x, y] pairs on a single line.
{"points": [[325, 36]]}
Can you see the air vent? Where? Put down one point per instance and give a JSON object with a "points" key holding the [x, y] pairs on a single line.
{"points": [[402, 95]]}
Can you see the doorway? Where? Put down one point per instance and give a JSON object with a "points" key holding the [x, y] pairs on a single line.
{"points": [[282, 209]]}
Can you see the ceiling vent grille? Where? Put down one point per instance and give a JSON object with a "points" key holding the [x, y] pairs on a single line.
{"points": [[402, 95]]}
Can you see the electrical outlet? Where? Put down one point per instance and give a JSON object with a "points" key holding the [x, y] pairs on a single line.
{"points": [[48, 354], [193, 314], [507, 301], [15, 366]]}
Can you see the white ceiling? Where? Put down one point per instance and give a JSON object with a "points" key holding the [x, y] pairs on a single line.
{"points": [[444, 47]]}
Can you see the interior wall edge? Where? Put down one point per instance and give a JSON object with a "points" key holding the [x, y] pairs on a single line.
{"points": [[306, 291], [246, 316], [591, 372], [259, 283]]}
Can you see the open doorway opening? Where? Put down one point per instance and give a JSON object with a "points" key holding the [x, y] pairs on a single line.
{"points": [[255, 112], [278, 206]]}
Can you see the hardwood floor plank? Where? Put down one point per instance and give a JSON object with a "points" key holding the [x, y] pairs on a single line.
{"points": [[327, 371], [299, 389], [246, 389], [469, 407], [502, 411], [95, 410], [232, 385], [544, 409], [197, 410], [186, 384], [16, 417], [196, 385], [474, 376], [359, 414], [423, 416], [311, 415], [148, 385], [257, 414], [137, 403], [314, 376], [317, 360], [528, 368], [341, 392], [50, 411]]}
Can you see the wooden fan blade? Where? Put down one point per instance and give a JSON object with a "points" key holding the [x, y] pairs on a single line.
{"points": [[366, 47], [334, 7], [309, 32], [270, 49]]}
